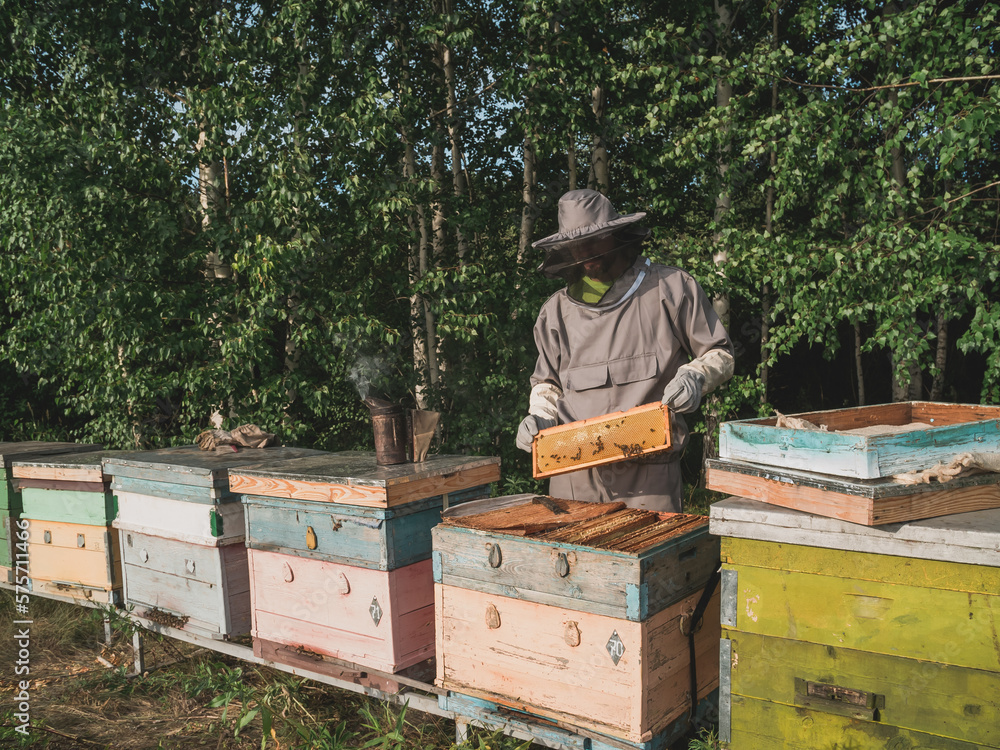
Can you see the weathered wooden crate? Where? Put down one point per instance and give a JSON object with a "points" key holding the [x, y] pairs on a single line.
{"points": [[190, 466], [880, 637], [343, 582], [185, 560], [521, 639], [354, 478], [203, 589], [866, 442], [383, 620], [621, 678], [872, 502], [10, 496], [378, 538], [73, 560], [71, 488], [195, 522], [632, 585]]}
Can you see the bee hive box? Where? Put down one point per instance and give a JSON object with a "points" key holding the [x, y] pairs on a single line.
{"points": [[865, 442], [871, 502], [72, 550], [10, 495], [340, 551], [871, 637], [182, 535], [575, 612]]}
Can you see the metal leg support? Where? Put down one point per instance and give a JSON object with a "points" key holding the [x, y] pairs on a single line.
{"points": [[461, 731], [137, 650]]}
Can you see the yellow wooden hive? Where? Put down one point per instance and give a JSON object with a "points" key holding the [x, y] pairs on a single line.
{"points": [[607, 439]]}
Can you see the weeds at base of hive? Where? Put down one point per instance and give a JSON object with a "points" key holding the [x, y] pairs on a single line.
{"points": [[707, 739]]}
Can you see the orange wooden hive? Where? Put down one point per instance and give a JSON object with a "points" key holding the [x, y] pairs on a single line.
{"points": [[607, 439]]}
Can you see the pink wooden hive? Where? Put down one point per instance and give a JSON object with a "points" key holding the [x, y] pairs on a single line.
{"points": [[383, 620]]}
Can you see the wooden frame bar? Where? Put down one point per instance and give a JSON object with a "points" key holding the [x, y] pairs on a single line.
{"points": [[620, 436]]}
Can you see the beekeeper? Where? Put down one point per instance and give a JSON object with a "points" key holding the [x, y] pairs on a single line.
{"points": [[623, 332]]}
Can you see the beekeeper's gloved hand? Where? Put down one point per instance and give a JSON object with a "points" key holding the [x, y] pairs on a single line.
{"points": [[528, 428], [683, 393]]}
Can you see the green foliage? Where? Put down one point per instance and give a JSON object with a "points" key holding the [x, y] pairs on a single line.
{"points": [[707, 739], [235, 209], [12, 736]]}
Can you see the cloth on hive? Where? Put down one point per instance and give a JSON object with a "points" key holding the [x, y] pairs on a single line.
{"points": [[244, 436], [964, 464], [796, 423]]}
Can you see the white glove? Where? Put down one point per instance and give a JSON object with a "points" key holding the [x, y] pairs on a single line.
{"points": [[528, 428], [716, 365], [683, 393]]}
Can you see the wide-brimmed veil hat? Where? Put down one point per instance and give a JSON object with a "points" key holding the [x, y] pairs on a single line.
{"points": [[585, 215]]}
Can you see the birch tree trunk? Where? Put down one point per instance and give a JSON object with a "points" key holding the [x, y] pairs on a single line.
{"points": [[723, 201], [940, 355], [447, 63], [723, 95], [210, 202], [529, 210], [599, 174], [571, 168], [422, 321], [912, 390], [857, 363], [293, 297], [765, 297]]}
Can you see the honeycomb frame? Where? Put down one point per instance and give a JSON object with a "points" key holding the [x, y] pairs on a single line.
{"points": [[598, 441]]}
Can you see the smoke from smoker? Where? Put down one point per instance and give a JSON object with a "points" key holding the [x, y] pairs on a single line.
{"points": [[369, 374]]}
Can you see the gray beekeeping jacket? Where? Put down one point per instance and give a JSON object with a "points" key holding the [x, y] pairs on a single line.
{"points": [[620, 354]]}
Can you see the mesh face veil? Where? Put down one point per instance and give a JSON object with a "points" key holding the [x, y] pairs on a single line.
{"points": [[571, 260], [589, 228]]}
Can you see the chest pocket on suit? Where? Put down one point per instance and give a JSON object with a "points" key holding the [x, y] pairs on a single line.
{"points": [[633, 369], [617, 372]]}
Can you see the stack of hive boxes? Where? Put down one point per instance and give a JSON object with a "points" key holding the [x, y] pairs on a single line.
{"points": [[340, 551], [858, 608], [182, 536], [10, 495], [577, 613], [68, 505]]}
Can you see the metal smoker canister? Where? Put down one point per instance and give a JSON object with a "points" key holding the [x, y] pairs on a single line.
{"points": [[391, 435]]}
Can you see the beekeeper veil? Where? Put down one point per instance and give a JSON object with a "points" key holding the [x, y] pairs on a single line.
{"points": [[589, 228]]}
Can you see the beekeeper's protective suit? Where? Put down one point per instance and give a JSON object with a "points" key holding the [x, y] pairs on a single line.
{"points": [[624, 332]]}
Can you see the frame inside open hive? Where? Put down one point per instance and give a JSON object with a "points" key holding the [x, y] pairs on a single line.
{"points": [[609, 526], [601, 440]]}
